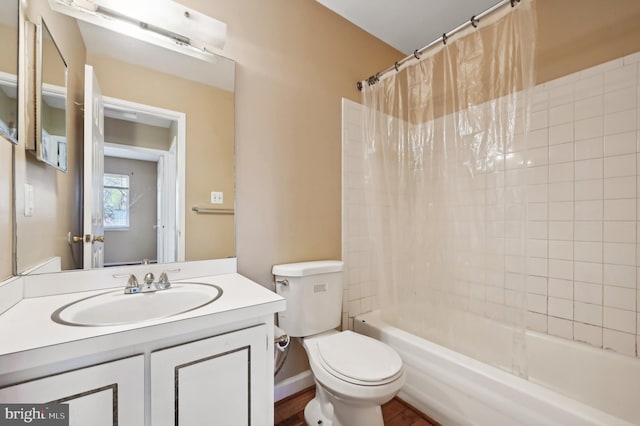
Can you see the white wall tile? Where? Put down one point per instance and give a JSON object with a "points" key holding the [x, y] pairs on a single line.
{"points": [[619, 275], [589, 148], [562, 289], [562, 172], [588, 334], [537, 211], [537, 285], [539, 120], [588, 231], [619, 319], [589, 128], [588, 251], [538, 157], [561, 134], [620, 122], [560, 308], [591, 84], [560, 327], [621, 187], [620, 232], [620, 254], [621, 165], [588, 313], [561, 269], [588, 293], [619, 78], [589, 169], [537, 303], [561, 191], [560, 230], [538, 138], [561, 114], [561, 153], [589, 107], [620, 297], [538, 230], [590, 190], [537, 175], [537, 266], [588, 272], [537, 248], [623, 209], [537, 322], [620, 143], [619, 100], [620, 342], [562, 210], [560, 95], [589, 210]]}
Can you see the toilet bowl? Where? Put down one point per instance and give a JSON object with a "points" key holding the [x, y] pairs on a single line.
{"points": [[354, 374]]}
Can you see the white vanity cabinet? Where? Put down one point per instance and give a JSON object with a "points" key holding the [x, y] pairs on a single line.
{"points": [[220, 380], [106, 394]]}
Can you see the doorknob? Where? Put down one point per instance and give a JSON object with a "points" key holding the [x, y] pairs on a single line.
{"points": [[99, 238], [78, 239]]}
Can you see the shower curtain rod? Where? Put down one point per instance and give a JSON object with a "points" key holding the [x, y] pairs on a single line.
{"points": [[475, 19]]}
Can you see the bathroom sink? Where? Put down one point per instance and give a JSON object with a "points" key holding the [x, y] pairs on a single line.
{"points": [[116, 308]]}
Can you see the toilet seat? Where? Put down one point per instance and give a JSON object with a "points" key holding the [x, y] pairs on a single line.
{"points": [[359, 359]]}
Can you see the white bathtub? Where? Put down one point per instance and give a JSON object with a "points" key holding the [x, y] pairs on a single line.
{"points": [[569, 383]]}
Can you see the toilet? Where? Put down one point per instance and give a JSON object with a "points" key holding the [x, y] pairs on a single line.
{"points": [[354, 374]]}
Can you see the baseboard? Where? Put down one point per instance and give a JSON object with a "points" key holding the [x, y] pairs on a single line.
{"points": [[292, 385]]}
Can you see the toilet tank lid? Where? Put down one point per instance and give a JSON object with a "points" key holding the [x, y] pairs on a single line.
{"points": [[302, 269]]}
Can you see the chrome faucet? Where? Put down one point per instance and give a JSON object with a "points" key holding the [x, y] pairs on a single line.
{"points": [[147, 285]]}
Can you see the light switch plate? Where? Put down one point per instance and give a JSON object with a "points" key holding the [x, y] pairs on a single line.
{"points": [[217, 198]]}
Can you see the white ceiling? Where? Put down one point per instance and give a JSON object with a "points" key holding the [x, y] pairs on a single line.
{"points": [[408, 25]]}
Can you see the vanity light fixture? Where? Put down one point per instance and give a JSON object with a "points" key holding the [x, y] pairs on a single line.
{"points": [[164, 23]]}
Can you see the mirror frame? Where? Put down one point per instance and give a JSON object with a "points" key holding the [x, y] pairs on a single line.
{"points": [[40, 28], [14, 139]]}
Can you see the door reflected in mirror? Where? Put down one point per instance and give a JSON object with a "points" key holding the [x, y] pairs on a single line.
{"points": [[9, 70], [51, 117]]}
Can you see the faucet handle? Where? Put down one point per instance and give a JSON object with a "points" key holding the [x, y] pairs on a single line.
{"points": [[148, 278], [132, 285], [163, 282]]}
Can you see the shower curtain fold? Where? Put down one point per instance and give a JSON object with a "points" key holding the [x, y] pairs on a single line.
{"points": [[445, 176]]}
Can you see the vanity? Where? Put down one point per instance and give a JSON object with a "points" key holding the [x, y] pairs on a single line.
{"points": [[209, 365]]}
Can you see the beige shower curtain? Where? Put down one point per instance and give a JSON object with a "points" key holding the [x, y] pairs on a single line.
{"points": [[445, 154]]}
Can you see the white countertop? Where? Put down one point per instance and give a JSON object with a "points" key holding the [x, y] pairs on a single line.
{"points": [[27, 330]]}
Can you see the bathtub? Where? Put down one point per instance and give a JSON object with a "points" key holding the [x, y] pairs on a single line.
{"points": [[569, 383]]}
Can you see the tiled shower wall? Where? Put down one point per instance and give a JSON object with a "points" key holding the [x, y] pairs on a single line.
{"points": [[583, 213]]}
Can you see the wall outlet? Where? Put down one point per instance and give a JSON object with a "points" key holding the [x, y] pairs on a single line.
{"points": [[217, 198]]}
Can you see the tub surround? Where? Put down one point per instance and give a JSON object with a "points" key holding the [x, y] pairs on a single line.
{"points": [[35, 348]]}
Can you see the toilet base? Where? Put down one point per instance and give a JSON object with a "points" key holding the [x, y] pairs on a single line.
{"points": [[328, 410]]}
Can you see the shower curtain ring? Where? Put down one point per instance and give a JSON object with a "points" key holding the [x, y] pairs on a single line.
{"points": [[415, 53], [513, 2], [444, 38], [396, 66], [474, 21]]}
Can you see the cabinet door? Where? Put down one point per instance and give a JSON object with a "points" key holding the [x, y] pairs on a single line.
{"points": [[107, 394], [215, 381]]}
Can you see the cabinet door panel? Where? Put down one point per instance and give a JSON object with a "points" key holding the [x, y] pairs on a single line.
{"points": [[214, 381], [106, 394]]}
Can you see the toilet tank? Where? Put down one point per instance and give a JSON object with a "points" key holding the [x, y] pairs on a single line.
{"points": [[313, 291]]}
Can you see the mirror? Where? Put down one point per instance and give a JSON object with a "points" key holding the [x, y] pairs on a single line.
{"points": [[9, 70], [51, 100], [137, 79]]}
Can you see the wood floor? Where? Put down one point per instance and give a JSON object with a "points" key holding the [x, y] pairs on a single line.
{"points": [[290, 412]]}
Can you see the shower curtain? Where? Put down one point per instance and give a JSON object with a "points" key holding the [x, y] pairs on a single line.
{"points": [[445, 178]]}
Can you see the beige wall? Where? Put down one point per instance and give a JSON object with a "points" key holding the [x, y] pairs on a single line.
{"points": [[209, 150], [137, 134], [56, 194]]}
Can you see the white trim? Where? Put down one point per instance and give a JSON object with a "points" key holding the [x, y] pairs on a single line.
{"points": [[293, 385]]}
